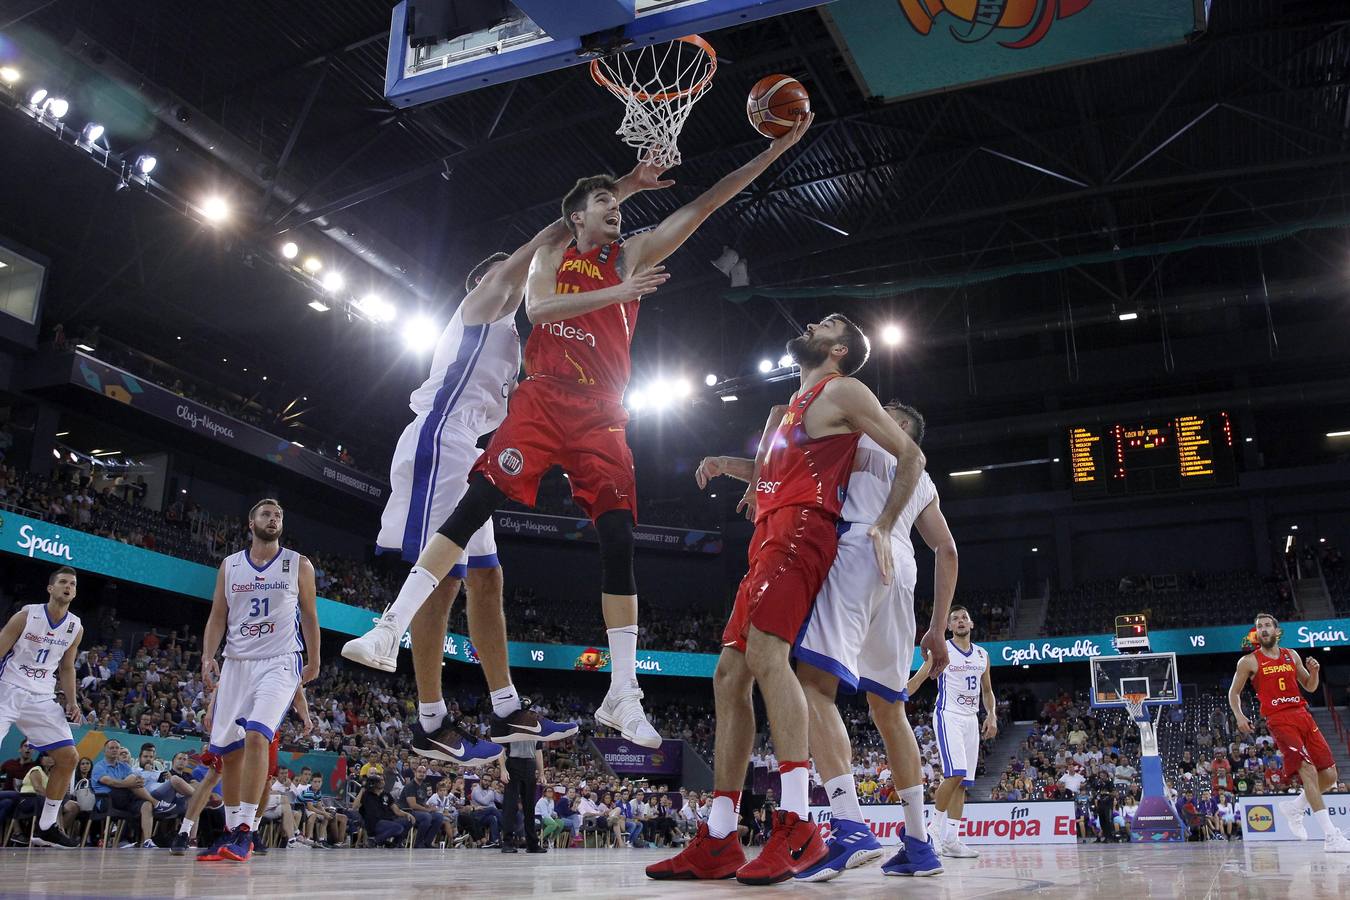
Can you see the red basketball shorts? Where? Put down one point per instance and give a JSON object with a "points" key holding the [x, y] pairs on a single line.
{"points": [[547, 425], [790, 556], [1298, 739]]}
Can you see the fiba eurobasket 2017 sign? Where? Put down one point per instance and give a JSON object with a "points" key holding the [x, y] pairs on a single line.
{"points": [[903, 48]]}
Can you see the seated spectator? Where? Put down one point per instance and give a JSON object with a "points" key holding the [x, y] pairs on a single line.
{"points": [[386, 823], [414, 798], [550, 826], [114, 787]]}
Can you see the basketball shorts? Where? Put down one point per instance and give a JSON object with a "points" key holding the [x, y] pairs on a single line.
{"points": [[39, 718], [1299, 739], [860, 630], [790, 556], [548, 425], [253, 695], [427, 478], [958, 740]]}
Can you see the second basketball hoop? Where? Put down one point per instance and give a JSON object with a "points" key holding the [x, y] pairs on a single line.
{"points": [[659, 86]]}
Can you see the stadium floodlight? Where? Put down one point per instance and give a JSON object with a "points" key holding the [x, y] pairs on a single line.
{"points": [[376, 308], [56, 453], [891, 335], [333, 282], [683, 388], [766, 366], [312, 264], [420, 334], [660, 394], [215, 210], [92, 133], [710, 379], [1333, 434], [56, 107], [636, 400], [318, 306], [729, 398], [1128, 316], [784, 361], [10, 75], [38, 96], [290, 250], [963, 473], [145, 164]]}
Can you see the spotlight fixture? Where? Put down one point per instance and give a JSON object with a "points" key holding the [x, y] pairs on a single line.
{"points": [[92, 133], [333, 282], [56, 107], [710, 379], [145, 164], [766, 366], [419, 335], [38, 96], [784, 361], [1128, 316], [215, 210], [682, 388], [636, 400], [290, 250], [376, 308], [311, 264], [10, 75], [318, 306], [891, 335], [729, 398], [964, 473]]}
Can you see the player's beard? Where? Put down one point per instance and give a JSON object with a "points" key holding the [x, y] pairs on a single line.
{"points": [[808, 353], [1268, 644], [264, 534]]}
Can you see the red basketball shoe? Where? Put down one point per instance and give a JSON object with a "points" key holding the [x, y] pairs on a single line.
{"points": [[794, 846], [705, 857]]}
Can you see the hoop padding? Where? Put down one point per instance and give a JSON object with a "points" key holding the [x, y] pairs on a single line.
{"points": [[659, 85]]}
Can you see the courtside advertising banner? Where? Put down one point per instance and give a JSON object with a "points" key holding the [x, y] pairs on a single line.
{"points": [[1263, 820], [1035, 822]]}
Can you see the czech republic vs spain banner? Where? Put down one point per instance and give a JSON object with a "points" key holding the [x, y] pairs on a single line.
{"points": [[903, 48]]}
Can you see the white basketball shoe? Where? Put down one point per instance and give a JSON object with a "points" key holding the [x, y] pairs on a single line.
{"points": [[622, 711], [378, 647]]}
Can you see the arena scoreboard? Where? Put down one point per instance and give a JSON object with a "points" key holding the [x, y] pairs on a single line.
{"points": [[1151, 456]]}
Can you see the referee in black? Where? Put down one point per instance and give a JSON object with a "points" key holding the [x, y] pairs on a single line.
{"points": [[524, 762]]}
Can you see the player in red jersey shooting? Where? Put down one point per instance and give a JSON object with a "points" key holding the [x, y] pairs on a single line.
{"points": [[1277, 674], [799, 480]]}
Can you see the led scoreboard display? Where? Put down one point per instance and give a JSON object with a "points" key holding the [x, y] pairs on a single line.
{"points": [[1150, 456]]}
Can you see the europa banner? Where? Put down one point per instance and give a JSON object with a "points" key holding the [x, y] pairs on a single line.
{"points": [[904, 48], [627, 758], [162, 403]]}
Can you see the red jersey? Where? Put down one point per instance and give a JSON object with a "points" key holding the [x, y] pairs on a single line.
{"points": [[800, 470], [590, 351], [1276, 683]]}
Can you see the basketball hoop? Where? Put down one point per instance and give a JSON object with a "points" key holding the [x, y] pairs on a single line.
{"points": [[658, 85], [1135, 704]]}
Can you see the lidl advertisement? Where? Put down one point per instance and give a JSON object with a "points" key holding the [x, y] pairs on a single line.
{"points": [[903, 48], [1263, 819]]}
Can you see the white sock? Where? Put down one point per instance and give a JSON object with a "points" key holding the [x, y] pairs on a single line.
{"points": [[1302, 801], [415, 591], [186, 826], [247, 813], [622, 657], [1322, 817], [722, 819], [431, 715], [49, 810], [257, 822], [953, 830], [843, 794], [941, 818], [231, 818], [911, 798], [796, 788], [505, 701]]}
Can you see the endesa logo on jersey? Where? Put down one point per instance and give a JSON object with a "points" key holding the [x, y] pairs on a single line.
{"points": [[767, 487], [568, 332], [257, 629]]}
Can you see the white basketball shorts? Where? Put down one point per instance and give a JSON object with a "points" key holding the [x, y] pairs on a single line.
{"points": [[39, 718], [860, 630], [253, 695], [958, 740], [427, 478]]}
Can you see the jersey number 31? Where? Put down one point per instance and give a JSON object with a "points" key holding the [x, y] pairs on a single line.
{"points": [[259, 603]]}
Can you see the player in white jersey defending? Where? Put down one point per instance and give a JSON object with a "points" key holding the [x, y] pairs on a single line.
{"points": [[264, 607], [956, 719], [38, 646], [473, 373]]}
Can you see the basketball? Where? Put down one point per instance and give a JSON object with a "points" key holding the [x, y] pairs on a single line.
{"points": [[775, 104]]}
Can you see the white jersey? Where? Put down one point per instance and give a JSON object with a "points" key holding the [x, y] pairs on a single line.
{"points": [[472, 372], [33, 662], [959, 683], [264, 606], [869, 485]]}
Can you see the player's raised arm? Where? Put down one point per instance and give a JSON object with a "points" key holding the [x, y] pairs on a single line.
{"points": [[215, 631], [501, 287], [309, 623], [1245, 668], [544, 305], [652, 247]]}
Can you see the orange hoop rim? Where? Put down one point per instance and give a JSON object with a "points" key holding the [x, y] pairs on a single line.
{"points": [[599, 77]]}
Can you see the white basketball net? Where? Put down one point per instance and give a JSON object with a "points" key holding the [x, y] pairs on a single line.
{"points": [[658, 85]]}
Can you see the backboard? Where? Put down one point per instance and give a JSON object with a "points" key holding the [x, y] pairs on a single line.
{"points": [[547, 34], [1152, 674]]}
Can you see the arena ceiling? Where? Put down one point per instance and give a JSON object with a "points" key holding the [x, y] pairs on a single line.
{"points": [[1247, 128]]}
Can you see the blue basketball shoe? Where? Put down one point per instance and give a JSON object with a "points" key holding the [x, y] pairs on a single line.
{"points": [[454, 744], [851, 844], [916, 857]]}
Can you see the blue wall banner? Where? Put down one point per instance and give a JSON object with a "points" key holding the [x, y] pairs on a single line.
{"points": [[904, 48], [50, 543], [115, 384]]}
